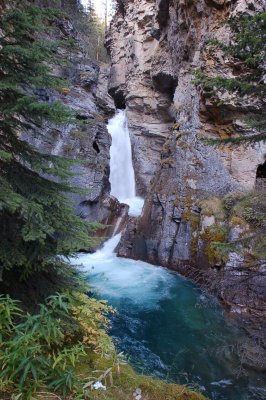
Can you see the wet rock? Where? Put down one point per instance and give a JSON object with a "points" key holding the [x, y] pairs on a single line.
{"points": [[109, 212], [151, 74]]}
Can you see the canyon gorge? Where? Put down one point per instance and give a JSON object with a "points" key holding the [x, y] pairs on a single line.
{"points": [[188, 185], [155, 47], [170, 166]]}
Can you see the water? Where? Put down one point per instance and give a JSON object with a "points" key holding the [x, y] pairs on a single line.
{"points": [[122, 177], [166, 325], [169, 327]]}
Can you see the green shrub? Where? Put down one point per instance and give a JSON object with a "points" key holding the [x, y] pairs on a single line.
{"points": [[43, 350], [216, 237], [249, 211], [247, 46], [231, 199]]}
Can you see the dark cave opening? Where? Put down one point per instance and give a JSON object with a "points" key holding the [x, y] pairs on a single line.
{"points": [[96, 147], [261, 171], [165, 83], [261, 178], [119, 98]]}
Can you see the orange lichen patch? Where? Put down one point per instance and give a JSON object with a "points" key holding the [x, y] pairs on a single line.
{"points": [[235, 220], [65, 91]]}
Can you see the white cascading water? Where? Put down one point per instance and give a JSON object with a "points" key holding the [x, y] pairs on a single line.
{"points": [[122, 177], [124, 278], [164, 323]]}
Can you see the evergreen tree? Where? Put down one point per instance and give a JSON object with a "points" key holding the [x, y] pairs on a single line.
{"points": [[248, 46], [92, 32], [36, 218]]}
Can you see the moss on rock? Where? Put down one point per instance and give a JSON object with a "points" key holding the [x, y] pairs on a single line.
{"points": [[216, 237], [213, 206]]}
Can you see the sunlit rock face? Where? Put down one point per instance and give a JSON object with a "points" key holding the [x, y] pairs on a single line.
{"points": [[145, 87], [154, 48]]}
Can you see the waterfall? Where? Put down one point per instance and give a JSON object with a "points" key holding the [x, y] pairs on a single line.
{"points": [[152, 299], [122, 177], [107, 252]]}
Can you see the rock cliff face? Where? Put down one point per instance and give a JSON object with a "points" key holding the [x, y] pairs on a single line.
{"points": [[154, 48], [133, 49], [87, 140]]}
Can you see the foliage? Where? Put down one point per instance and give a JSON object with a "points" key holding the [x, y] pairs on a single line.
{"points": [[91, 30], [126, 381], [216, 236], [249, 211], [96, 30], [248, 47], [37, 220], [249, 41], [43, 350], [231, 199], [252, 209], [65, 349], [219, 82], [212, 206], [93, 321]]}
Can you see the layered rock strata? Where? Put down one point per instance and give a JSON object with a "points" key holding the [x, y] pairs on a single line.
{"points": [[155, 48], [86, 139]]}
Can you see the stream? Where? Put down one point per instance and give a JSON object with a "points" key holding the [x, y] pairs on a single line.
{"points": [[166, 325], [169, 327]]}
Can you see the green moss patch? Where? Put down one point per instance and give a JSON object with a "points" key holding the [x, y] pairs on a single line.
{"points": [[125, 381]]}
